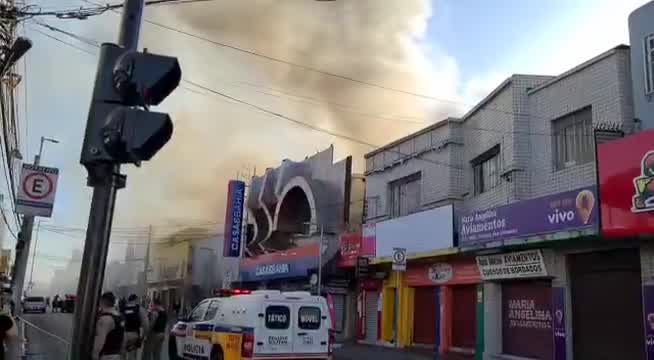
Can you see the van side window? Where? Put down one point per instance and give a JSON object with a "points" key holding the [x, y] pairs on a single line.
{"points": [[278, 317], [212, 310], [309, 318]]}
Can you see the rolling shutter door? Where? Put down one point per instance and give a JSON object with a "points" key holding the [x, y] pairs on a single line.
{"points": [[424, 319], [372, 298], [339, 313]]}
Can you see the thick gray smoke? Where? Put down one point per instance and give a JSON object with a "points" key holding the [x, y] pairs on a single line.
{"points": [[374, 41]]}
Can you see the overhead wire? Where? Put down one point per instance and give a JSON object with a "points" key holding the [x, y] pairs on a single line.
{"points": [[331, 132]]}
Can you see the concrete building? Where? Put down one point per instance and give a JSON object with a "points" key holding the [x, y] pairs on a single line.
{"points": [[513, 179], [641, 37]]}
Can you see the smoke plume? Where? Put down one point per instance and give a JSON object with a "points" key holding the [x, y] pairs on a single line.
{"points": [[373, 41]]}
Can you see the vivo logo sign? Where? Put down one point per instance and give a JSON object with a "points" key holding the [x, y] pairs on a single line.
{"points": [[234, 218], [560, 217]]}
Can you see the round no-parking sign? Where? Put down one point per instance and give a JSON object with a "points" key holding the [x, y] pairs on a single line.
{"points": [[36, 191], [399, 259]]}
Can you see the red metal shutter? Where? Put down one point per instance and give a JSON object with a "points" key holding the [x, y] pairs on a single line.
{"points": [[424, 317], [464, 316]]}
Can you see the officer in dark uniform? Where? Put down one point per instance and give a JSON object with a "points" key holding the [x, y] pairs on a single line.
{"points": [[157, 335], [136, 325]]}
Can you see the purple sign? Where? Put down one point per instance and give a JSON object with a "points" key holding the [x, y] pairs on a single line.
{"points": [[558, 323], [570, 210], [648, 312], [234, 218]]}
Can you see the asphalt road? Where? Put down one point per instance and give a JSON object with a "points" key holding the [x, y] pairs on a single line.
{"points": [[49, 335]]}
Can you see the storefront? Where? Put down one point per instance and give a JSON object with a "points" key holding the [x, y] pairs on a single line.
{"points": [[444, 303], [526, 302], [369, 311]]}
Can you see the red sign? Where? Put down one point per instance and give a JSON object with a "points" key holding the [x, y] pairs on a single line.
{"points": [[353, 246], [626, 174], [455, 271]]}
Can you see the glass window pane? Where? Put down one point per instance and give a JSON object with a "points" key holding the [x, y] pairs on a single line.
{"points": [[309, 318], [278, 317]]}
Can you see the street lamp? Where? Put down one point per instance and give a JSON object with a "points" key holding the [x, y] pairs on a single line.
{"points": [[37, 158]]}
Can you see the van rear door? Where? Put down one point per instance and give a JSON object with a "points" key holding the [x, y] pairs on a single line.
{"points": [[311, 329], [274, 335]]}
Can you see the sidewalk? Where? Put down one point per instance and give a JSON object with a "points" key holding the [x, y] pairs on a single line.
{"points": [[353, 351]]}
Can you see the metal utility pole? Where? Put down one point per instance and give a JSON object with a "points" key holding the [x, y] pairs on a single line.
{"points": [[30, 284], [146, 264], [320, 258], [106, 179], [25, 236]]}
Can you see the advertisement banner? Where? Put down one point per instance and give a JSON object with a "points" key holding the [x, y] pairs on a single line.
{"points": [[451, 272], [648, 311], [527, 319], [522, 264], [352, 247], [369, 239], [626, 171], [570, 210], [296, 262], [234, 218], [558, 323]]}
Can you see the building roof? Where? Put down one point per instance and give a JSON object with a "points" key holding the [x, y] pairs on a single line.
{"points": [[579, 67], [413, 135]]}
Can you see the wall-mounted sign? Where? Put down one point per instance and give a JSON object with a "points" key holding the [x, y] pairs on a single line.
{"points": [[363, 267], [626, 186], [234, 218], [451, 272], [419, 232], [297, 262], [399, 259], [522, 264], [36, 190], [570, 210]]}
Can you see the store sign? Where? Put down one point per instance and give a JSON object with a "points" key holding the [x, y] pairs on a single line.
{"points": [[234, 218], [419, 232], [455, 271], [353, 247], [648, 312], [558, 322], [522, 264], [570, 210], [297, 262], [362, 268], [626, 186]]}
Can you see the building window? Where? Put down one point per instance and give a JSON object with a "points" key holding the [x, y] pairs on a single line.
{"points": [[405, 197], [573, 139], [486, 170], [648, 49]]}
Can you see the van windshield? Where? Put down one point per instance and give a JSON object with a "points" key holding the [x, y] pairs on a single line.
{"points": [[35, 299]]}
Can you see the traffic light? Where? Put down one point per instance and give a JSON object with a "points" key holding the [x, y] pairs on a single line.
{"points": [[120, 128]]}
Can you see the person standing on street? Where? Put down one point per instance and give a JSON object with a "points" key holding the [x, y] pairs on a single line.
{"points": [[109, 331], [157, 334], [136, 325]]}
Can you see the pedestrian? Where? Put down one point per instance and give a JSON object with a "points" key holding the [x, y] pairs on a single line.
{"points": [[136, 325], [109, 331], [47, 302], [9, 343], [157, 334], [55, 303]]}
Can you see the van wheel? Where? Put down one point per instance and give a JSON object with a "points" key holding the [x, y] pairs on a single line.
{"points": [[217, 354]]}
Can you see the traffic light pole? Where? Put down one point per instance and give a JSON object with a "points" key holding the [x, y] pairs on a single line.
{"points": [[105, 178]]}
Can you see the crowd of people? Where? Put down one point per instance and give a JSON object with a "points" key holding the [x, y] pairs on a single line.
{"points": [[125, 328]]}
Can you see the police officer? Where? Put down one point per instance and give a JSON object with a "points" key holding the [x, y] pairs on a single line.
{"points": [[136, 325], [157, 335], [109, 331]]}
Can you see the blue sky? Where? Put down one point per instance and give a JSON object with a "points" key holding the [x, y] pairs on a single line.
{"points": [[468, 46]]}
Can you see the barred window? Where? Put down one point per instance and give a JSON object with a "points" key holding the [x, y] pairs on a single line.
{"points": [[405, 195], [648, 52], [486, 170], [573, 139]]}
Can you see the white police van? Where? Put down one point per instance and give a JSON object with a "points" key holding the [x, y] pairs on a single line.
{"points": [[258, 325]]}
